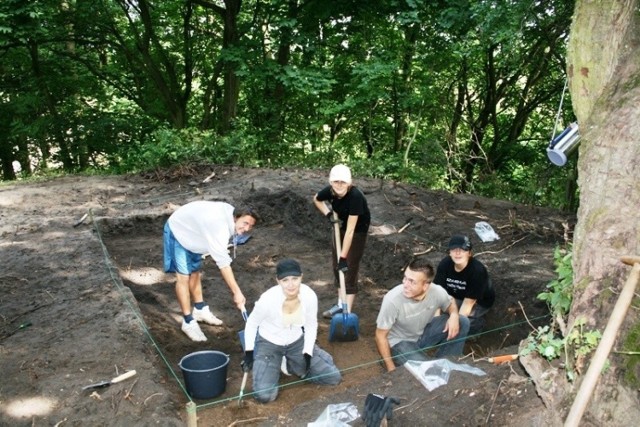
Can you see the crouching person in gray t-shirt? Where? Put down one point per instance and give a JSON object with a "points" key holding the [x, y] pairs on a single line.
{"points": [[409, 321]]}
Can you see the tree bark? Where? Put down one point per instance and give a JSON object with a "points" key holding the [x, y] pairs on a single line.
{"points": [[604, 72]]}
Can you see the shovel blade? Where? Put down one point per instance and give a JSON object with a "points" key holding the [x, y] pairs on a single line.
{"points": [[344, 327]]}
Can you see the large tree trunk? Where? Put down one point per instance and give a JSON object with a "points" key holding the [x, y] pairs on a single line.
{"points": [[604, 72]]}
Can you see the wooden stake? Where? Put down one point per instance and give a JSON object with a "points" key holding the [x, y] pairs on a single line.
{"points": [[192, 416], [630, 260], [606, 343]]}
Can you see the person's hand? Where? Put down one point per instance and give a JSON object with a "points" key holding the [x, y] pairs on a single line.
{"points": [[342, 265], [377, 407], [330, 217], [452, 327], [307, 366], [247, 361], [239, 300]]}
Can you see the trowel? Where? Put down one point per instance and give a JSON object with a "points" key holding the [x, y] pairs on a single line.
{"points": [[115, 380]]}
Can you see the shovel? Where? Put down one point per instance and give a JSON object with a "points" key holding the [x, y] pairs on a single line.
{"points": [[115, 380], [344, 326], [246, 373], [245, 316]]}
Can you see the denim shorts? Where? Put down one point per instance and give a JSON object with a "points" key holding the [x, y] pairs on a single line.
{"points": [[177, 259]]}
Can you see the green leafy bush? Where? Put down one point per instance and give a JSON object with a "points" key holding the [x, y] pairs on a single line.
{"points": [[560, 290], [552, 341]]}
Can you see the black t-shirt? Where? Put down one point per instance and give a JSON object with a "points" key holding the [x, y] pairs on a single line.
{"points": [[473, 282], [353, 203]]}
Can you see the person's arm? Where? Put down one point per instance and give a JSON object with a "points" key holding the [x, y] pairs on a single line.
{"points": [[255, 319], [321, 205], [453, 324], [467, 306], [230, 280], [382, 342], [348, 235], [309, 299]]}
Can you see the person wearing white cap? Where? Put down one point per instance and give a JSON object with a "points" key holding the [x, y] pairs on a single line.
{"points": [[343, 198]]}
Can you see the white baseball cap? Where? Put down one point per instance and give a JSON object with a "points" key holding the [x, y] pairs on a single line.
{"points": [[340, 173]]}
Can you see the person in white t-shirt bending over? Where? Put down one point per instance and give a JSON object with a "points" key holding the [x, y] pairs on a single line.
{"points": [[193, 230]]}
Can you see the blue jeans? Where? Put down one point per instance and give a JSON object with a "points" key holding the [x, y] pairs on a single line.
{"points": [[476, 317], [432, 336], [268, 359]]}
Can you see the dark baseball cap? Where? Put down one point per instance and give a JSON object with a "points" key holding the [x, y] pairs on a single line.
{"points": [[288, 267], [460, 241]]}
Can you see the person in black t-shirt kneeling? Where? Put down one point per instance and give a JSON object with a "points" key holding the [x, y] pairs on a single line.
{"points": [[467, 280]]}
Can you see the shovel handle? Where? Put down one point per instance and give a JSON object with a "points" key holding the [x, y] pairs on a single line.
{"points": [[123, 376], [343, 291], [244, 382]]}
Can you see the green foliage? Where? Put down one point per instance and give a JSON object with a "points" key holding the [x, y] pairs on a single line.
{"points": [[560, 290], [580, 342], [399, 90], [545, 342], [548, 340], [631, 348], [165, 147]]}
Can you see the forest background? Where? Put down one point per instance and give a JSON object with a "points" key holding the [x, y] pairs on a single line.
{"points": [[458, 95]]}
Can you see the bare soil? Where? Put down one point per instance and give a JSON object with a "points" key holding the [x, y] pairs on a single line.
{"points": [[82, 303]]}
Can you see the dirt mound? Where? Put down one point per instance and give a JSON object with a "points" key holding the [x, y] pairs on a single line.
{"points": [[99, 303]]}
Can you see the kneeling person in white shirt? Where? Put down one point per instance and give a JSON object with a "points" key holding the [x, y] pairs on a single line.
{"points": [[284, 324]]}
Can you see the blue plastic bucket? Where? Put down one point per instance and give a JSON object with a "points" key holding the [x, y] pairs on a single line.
{"points": [[205, 373]]}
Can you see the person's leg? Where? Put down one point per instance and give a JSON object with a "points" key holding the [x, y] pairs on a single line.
{"points": [[201, 311], [434, 334], [188, 278], [294, 359], [267, 358], [323, 369], [183, 294], [353, 260], [177, 260], [195, 287], [405, 351], [476, 319]]}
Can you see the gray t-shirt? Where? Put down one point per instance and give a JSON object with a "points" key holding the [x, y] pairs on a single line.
{"points": [[406, 318]]}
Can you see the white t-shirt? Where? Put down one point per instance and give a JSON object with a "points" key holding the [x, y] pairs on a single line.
{"points": [[406, 318], [205, 227]]}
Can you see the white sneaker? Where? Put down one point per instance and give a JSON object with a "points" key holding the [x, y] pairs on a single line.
{"points": [[205, 315], [193, 331]]}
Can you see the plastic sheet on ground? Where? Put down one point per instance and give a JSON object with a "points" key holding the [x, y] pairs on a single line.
{"points": [[485, 232], [336, 415], [435, 373]]}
